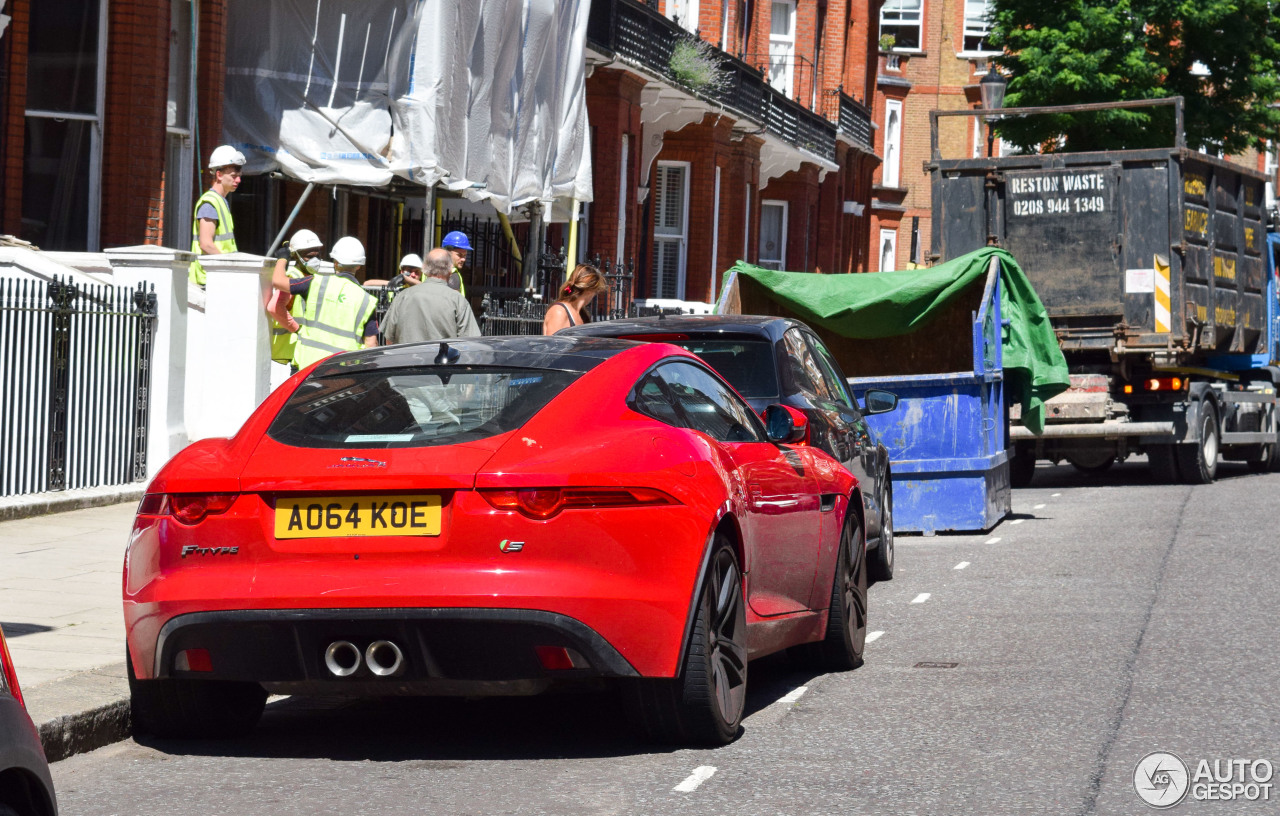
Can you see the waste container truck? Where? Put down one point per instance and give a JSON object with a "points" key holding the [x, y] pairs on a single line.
{"points": [[1159, 278]]}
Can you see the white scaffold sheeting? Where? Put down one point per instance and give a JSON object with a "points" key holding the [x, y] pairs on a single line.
{"points": [[483, 96]]}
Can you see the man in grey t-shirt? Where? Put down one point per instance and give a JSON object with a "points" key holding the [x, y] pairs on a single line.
{"points": [[430, 310]]}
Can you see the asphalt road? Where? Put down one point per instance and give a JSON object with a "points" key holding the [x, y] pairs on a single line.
{"points": [[1107, 619]]}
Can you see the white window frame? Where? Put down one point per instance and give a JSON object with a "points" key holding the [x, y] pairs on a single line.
{"points": [[892, 175], [899, 18], [887, 237], [685, 12], [179, 182], [977, 23], [94, 215], [782, 51], [679, 237], [625, 149], [781, 260]]}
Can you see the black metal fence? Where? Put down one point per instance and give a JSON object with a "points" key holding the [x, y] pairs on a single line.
{"points": [[75, 375], [524, 314]]}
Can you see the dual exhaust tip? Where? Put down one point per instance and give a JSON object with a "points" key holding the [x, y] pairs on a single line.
{"points": [[384, 658]]}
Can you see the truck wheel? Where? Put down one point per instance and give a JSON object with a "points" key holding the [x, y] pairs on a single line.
{"points": [[1164, 464], [1022, 467], [1198, 461]]}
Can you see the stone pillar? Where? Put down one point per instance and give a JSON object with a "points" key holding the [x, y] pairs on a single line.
{"points": [[230, 367], [165, 270]]}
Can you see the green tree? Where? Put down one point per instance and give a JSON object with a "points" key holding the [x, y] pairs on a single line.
{"points": [[1221, 55]]}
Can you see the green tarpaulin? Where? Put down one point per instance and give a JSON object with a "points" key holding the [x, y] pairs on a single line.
{"points": [[893, 303]]}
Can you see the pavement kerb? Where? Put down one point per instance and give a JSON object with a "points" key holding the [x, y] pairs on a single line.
{"points": [[98, 702], [40, 504]]}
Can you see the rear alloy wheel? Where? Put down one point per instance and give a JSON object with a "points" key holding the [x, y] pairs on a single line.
{"points": [[846, 636], [194, 709], [1198, 461], [705, 703], [881, 565]]}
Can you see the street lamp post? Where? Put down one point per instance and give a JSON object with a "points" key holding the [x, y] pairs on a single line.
{"points": [[991, 89]]}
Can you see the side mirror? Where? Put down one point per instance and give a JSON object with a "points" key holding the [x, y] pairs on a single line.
{"points": [[786, 425], [879, 402]]}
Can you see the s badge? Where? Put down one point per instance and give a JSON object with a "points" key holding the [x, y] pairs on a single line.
{"points": [[511, 546]]}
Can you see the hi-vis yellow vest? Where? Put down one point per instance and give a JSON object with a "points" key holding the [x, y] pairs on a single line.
{"points": [[333, 318], [224, 234], [283, 341]]}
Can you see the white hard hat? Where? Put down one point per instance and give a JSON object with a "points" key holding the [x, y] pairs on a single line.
{"points": [[225, 155], [411, 260], [348, 252], [303, 240]]}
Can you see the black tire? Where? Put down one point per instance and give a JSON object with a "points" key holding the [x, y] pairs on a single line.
{"points": [[5, 810], [194, 709], [705, 703], [1022, 467], [881, 558], [1092, 469], [1198, 461], [1163, 461], [846, 636]]}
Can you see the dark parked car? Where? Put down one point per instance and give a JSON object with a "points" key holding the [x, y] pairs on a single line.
{"points": [[26, 788], [777, 360]]}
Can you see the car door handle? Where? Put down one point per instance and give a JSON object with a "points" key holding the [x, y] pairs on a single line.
{"points": [[828, 502]]}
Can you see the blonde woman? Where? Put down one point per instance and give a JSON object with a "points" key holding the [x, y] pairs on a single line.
{"points": [[582, 287]]}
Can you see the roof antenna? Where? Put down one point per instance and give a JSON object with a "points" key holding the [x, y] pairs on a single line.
{"points": [[446, 355]]}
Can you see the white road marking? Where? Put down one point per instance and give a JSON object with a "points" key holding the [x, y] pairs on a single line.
{"points": [[995, 540], [793, 695], [961, 565], [873, 636], [921, 598], [1054, 495], [700, 774], [1038, 507], [1017, 521]]}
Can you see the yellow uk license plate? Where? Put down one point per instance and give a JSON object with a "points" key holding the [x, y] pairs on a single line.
{"points": [[336, 516]]}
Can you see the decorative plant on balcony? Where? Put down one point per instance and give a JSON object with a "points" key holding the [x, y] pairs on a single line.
{"points": [[695, 65]]}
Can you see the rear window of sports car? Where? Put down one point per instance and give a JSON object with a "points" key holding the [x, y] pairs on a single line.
{"points": [[748, 365], [414, 407]]}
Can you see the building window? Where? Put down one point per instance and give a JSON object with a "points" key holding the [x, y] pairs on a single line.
{"points": [[977, 26], [684, 12], [773, 234], [892, 142], [888, 250], [179, 182], [62, 148], [782, 46], [903, 20], [670, 230]]}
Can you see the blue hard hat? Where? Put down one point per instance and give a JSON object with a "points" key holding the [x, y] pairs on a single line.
{"points": [[458, 240]]}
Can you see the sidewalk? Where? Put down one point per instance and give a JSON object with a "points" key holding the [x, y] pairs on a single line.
{"points": [[62, 617]]}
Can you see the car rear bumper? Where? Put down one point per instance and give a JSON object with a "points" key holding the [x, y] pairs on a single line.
{"points": [[444, 650]]}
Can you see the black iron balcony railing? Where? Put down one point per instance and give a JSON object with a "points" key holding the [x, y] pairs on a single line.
{"points": [[641, 34], [855, 121]]}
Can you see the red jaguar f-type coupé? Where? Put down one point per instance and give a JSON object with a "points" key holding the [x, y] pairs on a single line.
{"points": [[493, 516]]}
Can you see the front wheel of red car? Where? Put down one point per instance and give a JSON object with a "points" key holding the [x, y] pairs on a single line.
{"points": [[194, 709], [705, 703]]}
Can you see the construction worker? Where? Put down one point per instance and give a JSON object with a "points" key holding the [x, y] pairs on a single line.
{"points": [[213, 232], [410, 274], [304, 250], [458, 246], [337, 314]]}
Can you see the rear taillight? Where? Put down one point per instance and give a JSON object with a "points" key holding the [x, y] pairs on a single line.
{"points": [[1158, 384], [545, 502], [188, 508], [8, 676]]}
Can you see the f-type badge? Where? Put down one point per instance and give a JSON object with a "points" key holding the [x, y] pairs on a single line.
{"points": [[511, 546], [358, 462]]}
